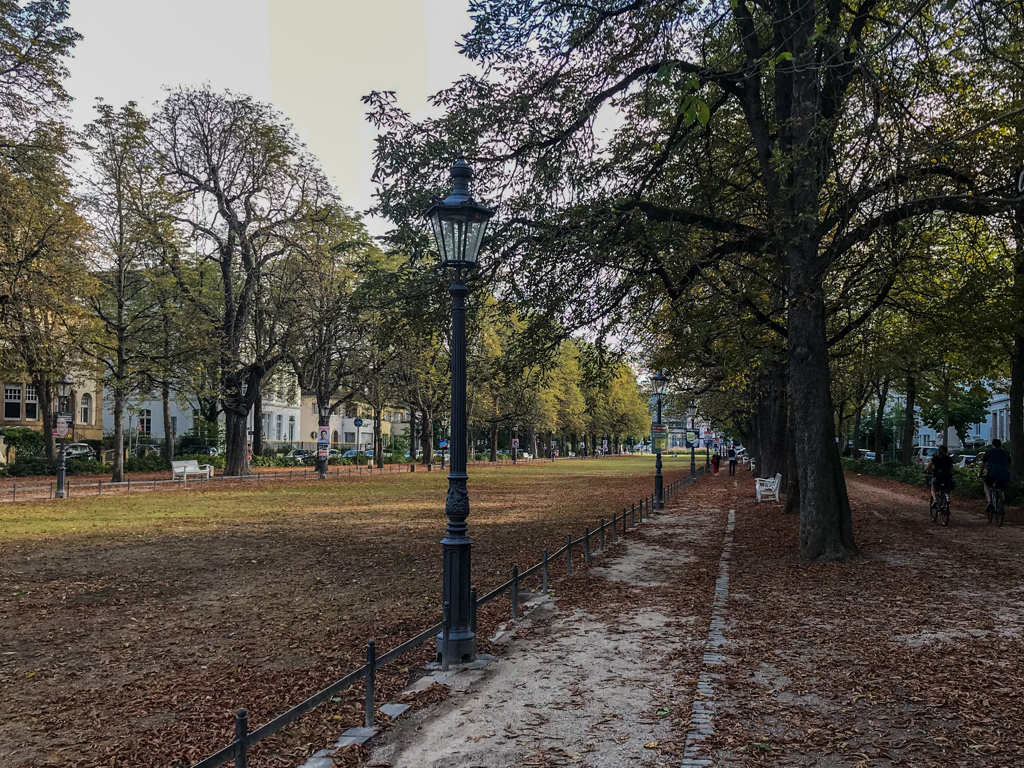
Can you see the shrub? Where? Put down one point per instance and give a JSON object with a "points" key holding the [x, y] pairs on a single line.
{"points": [[28, 443], [88, 467], [33, 466], [217, 462], [154, 462]]}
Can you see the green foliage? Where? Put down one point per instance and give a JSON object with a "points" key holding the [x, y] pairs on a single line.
{"points": [[151, 463], [271, 461], [968, 484], [217, 462], [34, 466], [28, 443]]}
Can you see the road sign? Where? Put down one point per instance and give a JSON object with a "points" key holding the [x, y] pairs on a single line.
{"points": [[515, 443], [62, 423], [358, 422], [324, 438], [322, 450], [443, 444]]}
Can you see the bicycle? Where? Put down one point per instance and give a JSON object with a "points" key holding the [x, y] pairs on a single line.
{"points": [[995, 507], [941, 508]]}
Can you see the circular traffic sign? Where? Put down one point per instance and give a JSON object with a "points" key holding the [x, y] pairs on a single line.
{"points": [[358, 422]]}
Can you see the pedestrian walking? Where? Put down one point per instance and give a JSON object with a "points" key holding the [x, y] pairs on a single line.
{"points": [[732, 459], [715, 461]]}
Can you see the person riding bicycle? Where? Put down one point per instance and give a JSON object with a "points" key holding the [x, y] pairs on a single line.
{"points": [[995, 469], [941, 467]]}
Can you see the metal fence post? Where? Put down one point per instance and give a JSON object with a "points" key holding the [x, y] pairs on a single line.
{"points": [[625, 522], [129, 485], [615, 529], [568, 554], [602, 535], [544, 572], [515, 592], [371, 680], [241, 733], [100, 491], [14, 495], [586, 545]]}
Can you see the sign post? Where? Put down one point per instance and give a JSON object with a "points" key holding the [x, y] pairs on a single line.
{"points": [[358, 422], [515, 449], [323, 450], [62, 424]]}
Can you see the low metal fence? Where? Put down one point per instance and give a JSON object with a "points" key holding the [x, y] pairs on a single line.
{"points": [[246, 739], [42, 491]]}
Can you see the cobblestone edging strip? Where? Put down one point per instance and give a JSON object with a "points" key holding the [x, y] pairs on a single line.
{"points": [[703, 711]]}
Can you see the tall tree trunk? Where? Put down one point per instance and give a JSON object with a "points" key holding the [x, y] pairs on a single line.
{"points": [[883, 395], [236, 461], [427, 439], [792, 477], [165, 397], [45, 391], [771, 422], [494, 441], [826, 523], [378, 438], [412, 435], [857, 415], [909, 421], [1017, 358], [257, 424], [117, 476]]}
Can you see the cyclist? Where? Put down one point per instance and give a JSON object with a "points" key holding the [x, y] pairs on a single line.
{"points": [[941, 467], [995, 468]]}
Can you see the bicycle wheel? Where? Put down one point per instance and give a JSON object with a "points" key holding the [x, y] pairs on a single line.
{"points": [[944, 509], [935, 511], [990, 511], [1000, 510]]}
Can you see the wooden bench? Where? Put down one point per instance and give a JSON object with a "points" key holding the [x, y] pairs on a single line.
{"points": [[767, 488], [183, 469]]}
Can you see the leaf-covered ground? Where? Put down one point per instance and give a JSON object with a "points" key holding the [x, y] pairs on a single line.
{"points": [[908, 655], [132, 628]]}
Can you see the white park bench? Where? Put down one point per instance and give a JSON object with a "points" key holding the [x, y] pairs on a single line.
{"points": [[767, 488], [183, 469]]}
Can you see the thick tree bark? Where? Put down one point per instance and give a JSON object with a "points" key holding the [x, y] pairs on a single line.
{"points": [[412, 435], [826, 525], [257, 424], [771, 422], [236, 461], [427, 439], [117, 476], [1017, 359], [883, 395], [909, 421], [165, 399], [378, 438]]}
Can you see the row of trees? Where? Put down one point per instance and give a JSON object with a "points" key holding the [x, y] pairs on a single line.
{"points": [[200, 249], [790, 206]]}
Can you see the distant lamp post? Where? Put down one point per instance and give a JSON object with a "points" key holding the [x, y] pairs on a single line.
{"points": [[62, 425], [459, 224], [659, 382], [691, 412], [324, 420]]}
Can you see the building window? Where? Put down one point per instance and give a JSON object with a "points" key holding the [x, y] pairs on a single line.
{"points": [[145, 418], [31, 403], [291, 429], [12, 402], [280, 426], [85, 409], [334, 437], [350, 437]]}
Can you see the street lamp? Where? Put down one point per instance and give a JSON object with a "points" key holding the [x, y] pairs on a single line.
{"points": [[64, 387], [691, 412], [459, 224], [324, 420], [659, 381]]}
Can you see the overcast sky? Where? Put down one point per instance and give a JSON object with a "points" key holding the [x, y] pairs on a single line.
{"points": [[313, 59]]}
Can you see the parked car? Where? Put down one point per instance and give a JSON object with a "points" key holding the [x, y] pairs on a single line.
{"points": [[923, 454], [205, 450], [867, 455], [965, 460], [351, 453], [303, 456], [79, 451]]}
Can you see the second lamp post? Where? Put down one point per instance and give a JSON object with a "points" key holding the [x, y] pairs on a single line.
{"points": [[459, 223], [691, 412], [659, 380]]}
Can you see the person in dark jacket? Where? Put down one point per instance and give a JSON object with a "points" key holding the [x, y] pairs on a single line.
{"points": [[941, 467], [715, 461], [995, 468], [731, 453]]}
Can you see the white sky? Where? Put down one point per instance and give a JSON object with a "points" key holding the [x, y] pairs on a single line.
{"points": [[313, 59]]}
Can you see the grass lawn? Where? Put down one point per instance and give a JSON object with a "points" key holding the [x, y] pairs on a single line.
{"points": [[133, 626]]}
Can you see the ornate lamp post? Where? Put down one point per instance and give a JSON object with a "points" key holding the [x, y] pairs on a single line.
{"points": [[659, 381], [691, 412], [459, 224], [64, 387]]}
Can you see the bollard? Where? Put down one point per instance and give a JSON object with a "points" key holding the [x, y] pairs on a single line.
{"points": [[14, 495], [51, 490], [472, 608], [544, 572], [515, 592], [100, 491], [586, 545], [129, 485], [371, 680], [241, 734], [568, 554], [602, 535]]}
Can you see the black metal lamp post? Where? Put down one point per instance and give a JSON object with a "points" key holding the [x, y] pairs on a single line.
{"points": [[459, 224], [64, 387], [324, 420], [691, 411], [659, 380]]}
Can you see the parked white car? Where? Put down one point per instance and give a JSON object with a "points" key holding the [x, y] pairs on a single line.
{"points": [[923, 454]]}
